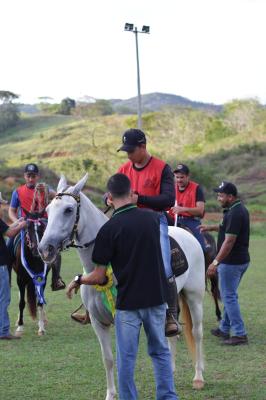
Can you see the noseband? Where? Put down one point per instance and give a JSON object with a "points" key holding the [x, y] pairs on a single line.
{"points": [[74, 233]]}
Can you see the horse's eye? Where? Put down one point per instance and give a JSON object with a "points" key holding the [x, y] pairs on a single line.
{"points": [[68, 210]]}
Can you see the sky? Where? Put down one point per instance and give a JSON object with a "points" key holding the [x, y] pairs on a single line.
{"points": [[205, 50]]}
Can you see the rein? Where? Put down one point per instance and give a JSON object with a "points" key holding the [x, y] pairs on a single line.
{"points": [[74, 234]]}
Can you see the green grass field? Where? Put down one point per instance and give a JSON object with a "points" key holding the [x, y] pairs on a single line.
{"points": [[66, 363]]}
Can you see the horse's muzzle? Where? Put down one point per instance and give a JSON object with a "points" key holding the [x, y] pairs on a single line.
{"points": [[48, 253]]}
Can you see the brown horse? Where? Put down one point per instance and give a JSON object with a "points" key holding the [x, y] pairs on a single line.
{"points": [[31, 271], [210, 254]]}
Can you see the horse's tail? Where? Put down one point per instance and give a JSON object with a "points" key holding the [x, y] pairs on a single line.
{"points": [[186, 317], [31, 299]]}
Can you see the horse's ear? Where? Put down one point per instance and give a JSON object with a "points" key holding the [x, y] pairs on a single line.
{"points": [[80, 185], [62, 184]]}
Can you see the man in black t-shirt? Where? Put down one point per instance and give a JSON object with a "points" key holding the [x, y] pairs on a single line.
{"points": [[232, 261], [9, 231], [131, 241]]}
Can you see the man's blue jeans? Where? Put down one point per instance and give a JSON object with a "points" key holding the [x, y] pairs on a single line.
{"points": [[4, 300], [127, 326], [229, 280]]}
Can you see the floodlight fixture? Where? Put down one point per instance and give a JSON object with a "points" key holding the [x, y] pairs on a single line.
{"points": [[129, 27], [145, 29]]}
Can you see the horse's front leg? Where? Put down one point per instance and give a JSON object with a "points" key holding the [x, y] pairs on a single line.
{"points": [[104, 336], [22, 303], [42, 320]]}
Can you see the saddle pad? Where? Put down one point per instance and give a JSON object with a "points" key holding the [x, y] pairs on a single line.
{"points": [[178, 259]]}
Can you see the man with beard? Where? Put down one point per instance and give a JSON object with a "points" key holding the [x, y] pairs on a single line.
{"points": [[231, 262]]}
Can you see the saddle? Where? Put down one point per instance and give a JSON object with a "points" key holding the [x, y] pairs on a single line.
{"points": [[178, 259]]}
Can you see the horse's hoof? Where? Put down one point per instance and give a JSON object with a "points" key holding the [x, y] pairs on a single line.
{"points": [[198, 385], [41, 333], [18, 333]]}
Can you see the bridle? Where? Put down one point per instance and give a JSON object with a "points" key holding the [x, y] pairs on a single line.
{"points": [[74, 233]]}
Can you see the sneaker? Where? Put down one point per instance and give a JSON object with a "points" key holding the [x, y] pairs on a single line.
{"points": [[236, 340], [217, 332], [9, 337]]}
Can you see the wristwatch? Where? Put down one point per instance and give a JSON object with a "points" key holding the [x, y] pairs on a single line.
{"points": [[215, 262], [77, 279]]}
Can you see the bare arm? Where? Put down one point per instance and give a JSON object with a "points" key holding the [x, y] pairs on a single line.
{"points": [[12, 213], [197, 211], [223, 252], [15, 227], [96, 277], [209, 228]]}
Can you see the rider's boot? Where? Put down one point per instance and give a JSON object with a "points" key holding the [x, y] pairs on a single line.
{"points": [[172, 326], [57, 281]]}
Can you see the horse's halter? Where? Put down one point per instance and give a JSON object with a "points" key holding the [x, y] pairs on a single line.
{"points": [[74, 232], [37, 222]]}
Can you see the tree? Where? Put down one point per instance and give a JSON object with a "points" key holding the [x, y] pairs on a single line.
{"points": [[9, 114], [66, 106]]}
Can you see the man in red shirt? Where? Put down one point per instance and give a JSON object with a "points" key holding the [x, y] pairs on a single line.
{"points": [[153, 186], [190, 203], [22, 201]]}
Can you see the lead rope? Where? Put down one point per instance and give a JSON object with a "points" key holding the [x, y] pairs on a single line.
{"points": [[38, 279]]}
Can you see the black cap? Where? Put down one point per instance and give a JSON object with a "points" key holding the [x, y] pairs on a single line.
{"points": [[131, 139], [31, 168], [182, 168], [227, 188]]}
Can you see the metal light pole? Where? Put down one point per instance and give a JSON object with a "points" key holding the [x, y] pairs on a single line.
{"points": [[145, 29]]}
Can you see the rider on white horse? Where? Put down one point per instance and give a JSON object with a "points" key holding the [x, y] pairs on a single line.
{"points": [[133, 243]]}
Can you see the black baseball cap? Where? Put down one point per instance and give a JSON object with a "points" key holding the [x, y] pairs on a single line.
{"points": [[131, 139], [31, 168], [182, 168], [227, 188]]}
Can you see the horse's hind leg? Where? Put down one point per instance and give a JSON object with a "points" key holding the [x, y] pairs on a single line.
{"points": [[195, 304], [22, 303], [104, 337]]}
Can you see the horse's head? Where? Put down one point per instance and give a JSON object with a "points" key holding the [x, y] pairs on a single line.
{"points": [[36, 224], [63, 217]]}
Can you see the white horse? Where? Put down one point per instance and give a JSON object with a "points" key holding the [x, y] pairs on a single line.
{"points": [[73, 217]]}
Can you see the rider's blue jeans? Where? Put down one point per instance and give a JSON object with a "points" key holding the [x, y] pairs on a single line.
{"points": [[4, 301], [127, 326], [193, 225], [165, 246], [229, 280]]}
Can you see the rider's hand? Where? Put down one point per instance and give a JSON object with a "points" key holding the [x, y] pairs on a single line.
{"points": [[72, 287], [176, 209], [21, 222]]}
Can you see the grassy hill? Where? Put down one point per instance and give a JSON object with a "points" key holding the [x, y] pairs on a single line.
{"points": [[227, 145]]}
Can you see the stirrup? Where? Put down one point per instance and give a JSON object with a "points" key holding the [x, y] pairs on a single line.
{"points": [[82, 319]]}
